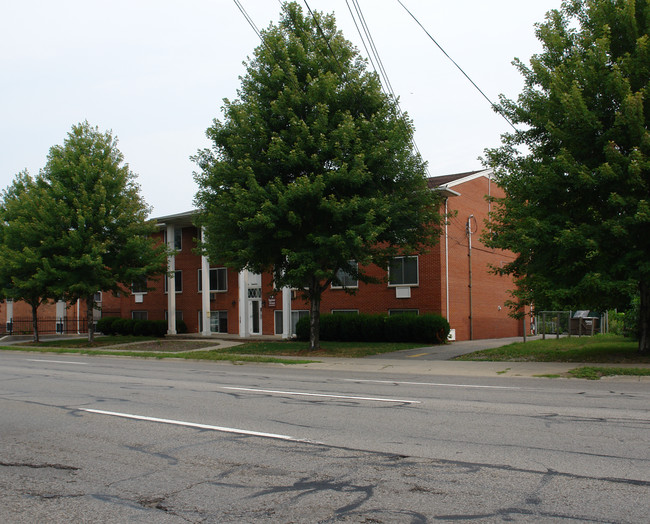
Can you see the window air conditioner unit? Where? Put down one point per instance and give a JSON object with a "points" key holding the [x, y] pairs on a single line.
{"points": [[402, 292]]}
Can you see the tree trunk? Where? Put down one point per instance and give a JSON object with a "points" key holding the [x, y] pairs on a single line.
{"points": [[314, 321], [90, 307], [35, 322], [644, 317]]}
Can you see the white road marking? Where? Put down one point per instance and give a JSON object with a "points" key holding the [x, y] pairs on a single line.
{"points": [[323, 395], [200, 426], [429, 384], [56, 361]]}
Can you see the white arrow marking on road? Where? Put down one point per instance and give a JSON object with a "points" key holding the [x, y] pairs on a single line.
{"points": [[428, 384], [200, 426], [323, 395]]}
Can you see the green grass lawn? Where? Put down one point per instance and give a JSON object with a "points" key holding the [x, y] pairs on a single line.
{"points": [[190, 349], [600, 349]]}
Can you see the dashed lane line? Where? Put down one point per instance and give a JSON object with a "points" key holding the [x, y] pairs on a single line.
{"points": [[323, 395]]}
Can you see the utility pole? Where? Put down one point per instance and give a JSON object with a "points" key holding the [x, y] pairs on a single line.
{"points": [[469, 256]]}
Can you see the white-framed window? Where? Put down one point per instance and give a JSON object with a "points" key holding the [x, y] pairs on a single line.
{"points": [[295, 317], [345, 311], [139, 286], [392, 312], [98, 297], [178, 281], [218, 279], [178, 238], [218, 321], [345, 279], [140, 315], [403, 271]]}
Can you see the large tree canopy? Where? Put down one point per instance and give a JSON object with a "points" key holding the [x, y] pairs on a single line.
{"points": [[577, 176], [102, 240], [312, 166], [26, 225]]}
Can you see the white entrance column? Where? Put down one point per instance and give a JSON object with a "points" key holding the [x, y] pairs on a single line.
{"points": [[243, 301], [286, 312], [205, 291], [171, 282], [10, 313]]}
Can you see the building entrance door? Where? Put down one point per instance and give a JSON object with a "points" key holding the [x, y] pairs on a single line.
{"points": [[255, 316]]}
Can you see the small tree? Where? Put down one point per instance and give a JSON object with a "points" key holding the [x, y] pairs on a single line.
{"points": [[26, 227], [104, 241], [312, 166], [577, 206]]}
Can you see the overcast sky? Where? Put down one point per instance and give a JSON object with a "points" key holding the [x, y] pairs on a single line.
{"points": [[156, 72]]}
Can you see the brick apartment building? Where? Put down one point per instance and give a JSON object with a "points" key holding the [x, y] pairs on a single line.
{"points": [[452, 279]]}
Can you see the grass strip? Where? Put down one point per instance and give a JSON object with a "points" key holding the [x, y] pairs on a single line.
{"points": [[193, 355], [328, 348], [595, 373], [597, 349]]}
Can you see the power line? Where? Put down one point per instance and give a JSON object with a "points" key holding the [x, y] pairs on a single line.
{"points": [[248, 18], [379, 69], [494, 106]]}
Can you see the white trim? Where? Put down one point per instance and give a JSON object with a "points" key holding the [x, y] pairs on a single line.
{"points": [[171, 282], [486, 173]]}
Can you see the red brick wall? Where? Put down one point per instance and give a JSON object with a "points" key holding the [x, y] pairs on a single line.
{"points": [[489, 292]]}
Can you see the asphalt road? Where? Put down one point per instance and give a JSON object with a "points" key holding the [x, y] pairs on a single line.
{"points": [[86, 439]]}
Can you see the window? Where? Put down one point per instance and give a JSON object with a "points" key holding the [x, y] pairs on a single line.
{"points": [[295, 316], [98, 297], [345, 312], [345, 279], [392, 312], [139, 286], [403, 271], [179, 315], [178, 281], [218, 279], [140, 315], [218, 321], [178, 238]]}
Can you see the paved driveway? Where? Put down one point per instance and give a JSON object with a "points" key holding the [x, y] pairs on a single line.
{"points": [[452, 349]]}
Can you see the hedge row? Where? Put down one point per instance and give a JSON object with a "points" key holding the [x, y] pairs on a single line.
{"points": [[429, 329], [128, 326]]}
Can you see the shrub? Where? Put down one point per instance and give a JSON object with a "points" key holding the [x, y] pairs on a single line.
{"points": [[428, 329], [181, 326], [105, 325], [632, 317], [142, 328], [159, 328]]}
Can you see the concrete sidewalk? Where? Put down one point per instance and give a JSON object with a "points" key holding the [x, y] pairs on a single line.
{"points": [[435, 360]]}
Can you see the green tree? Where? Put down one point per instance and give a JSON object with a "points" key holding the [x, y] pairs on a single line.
{"points": [[577, 177], [103, 241], [312, 166], [26, 226]]}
